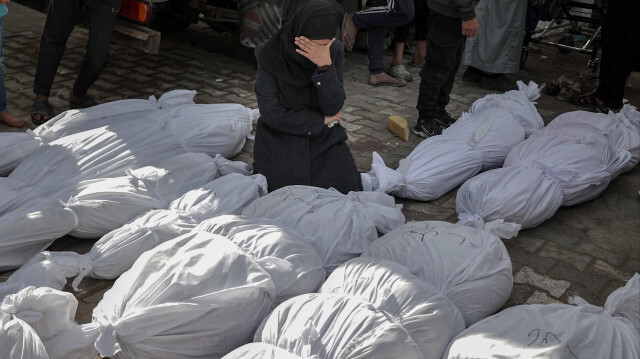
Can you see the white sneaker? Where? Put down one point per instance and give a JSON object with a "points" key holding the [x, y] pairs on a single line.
{"points": [[399, 71]]}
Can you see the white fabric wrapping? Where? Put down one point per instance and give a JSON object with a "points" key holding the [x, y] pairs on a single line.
{"points": [[427, 315], [336, 326], [339, 226], [117, 250], [584, 165], [48, 311], [110, 150], [491, 131], [520, 103], [436, 166], [476, 142], [520, 195], [229, 194], [556, 331], [110, 113], [294, 265], [261, 351], [622, 129], [15, 147], [471, 267], [103, 205], [197, 296], [19, 340], [31, 228]]}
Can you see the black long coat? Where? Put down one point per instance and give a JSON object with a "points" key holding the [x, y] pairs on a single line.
{"points": [[295, 147]]}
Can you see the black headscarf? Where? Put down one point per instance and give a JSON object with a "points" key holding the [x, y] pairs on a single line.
{"points": [[316, 19]]}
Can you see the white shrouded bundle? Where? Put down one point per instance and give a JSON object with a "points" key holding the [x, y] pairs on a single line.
{"points": [[568, 162], [294, 265], [427, 315], [260, 351], [32, 316], [46, 310], [339, 226], [15, 147], [336, 326], [478, 141], [558, 330], [534, 195], [99, 206], [470, 267], [148, 137], [19, 340], [197, 296], [32, 228], [103, 205], [367, 308], [116, 251], [583, 165], [520, 103], [622, 129]]}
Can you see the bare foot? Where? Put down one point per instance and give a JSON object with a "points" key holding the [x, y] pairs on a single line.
{"points": [[10, 120], [384, 79]]}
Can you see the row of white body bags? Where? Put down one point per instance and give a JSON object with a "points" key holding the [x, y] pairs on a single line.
{"points": [[568, 162], [200, 295], [368, 308], [478, 141], [339, 226], [408, 294], [108, 151], [96, 207], [32, 316], [117, 250], [558, 331], [16, 146]]}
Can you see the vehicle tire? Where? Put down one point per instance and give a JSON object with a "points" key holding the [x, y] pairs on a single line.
{"points": [[169, 19]]}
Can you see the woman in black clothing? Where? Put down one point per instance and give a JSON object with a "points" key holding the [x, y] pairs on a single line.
{"points": [[299, 87]]}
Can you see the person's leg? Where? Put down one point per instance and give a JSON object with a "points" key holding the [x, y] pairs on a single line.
{"points": [[400, 39], [619, 39], [101, 17], [447, 86], [444, 42], [61, 19], [385, 13], [5, 116], [422, 14]]}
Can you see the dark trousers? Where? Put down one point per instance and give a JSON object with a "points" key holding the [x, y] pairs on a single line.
{"points": [[445, 44], [61, 19], [375, 20], [420, 22], [620, 48]]}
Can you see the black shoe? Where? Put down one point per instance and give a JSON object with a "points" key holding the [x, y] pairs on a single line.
{"points": [[428, 127], [472, 74], [498, 83], [446, 119]]}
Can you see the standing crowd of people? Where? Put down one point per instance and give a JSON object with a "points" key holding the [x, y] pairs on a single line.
{"points": [[299, 85]]}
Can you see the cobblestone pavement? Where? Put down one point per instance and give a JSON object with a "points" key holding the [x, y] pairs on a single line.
{"points": [[591, 248]]}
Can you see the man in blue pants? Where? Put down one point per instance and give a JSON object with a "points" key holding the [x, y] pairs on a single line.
{"points": [[450, 23], [375, 19]]}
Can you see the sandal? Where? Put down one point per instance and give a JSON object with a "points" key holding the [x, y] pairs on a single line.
{"points": [[41, 112], [589, 101], [85, 102], [348, 38]]}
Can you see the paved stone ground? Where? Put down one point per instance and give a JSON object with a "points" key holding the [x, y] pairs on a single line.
{"points": [[590, 249]]}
